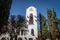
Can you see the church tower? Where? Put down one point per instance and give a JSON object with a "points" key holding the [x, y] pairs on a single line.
{"points": [[31, 17]]}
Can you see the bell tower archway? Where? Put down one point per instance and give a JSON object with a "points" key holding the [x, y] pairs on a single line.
{"points": [[31, 17]]}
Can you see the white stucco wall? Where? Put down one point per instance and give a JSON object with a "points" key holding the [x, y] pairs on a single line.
{"points": [[32, 10]]}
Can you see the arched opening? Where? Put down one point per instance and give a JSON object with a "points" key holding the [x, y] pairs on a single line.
{"points": [[21, 32], [30, 38], [31, 19], [32, 32], [19, 38], [25, 38], [3, 38], [8, 39]]}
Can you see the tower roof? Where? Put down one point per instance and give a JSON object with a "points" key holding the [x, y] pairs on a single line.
{"points": [[31, 8]]}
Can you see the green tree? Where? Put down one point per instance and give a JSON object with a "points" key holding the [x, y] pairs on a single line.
{"points": [[43, 26], [58, 20], [5, 6], [49, 18], [52, 22], [21, 22], [12, 23], [12, 26], [55, 30]]}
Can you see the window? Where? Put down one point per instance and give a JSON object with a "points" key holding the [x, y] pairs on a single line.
{"points": [[31, 19], [3, 38], [19, 38], [30, 38], [21, 32], [25, 38], [31, 9], [32, 32]]}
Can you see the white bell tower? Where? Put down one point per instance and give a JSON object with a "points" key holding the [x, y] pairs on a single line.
{"points": [[31, 17]]}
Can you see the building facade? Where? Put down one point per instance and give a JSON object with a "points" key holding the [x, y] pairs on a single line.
{"points": [[25, 33], [31, 32]]}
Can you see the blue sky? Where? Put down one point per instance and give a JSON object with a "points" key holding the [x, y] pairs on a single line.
{"points": [[19, 6]]}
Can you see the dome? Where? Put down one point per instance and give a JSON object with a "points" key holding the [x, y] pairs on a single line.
{"points": [[31, 8]]}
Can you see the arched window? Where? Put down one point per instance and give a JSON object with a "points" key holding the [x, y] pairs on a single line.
{"points": [[32, 32], [21, 32], [31, 19], [3, 38], [30, 38], [19, 38], [25, 38]]}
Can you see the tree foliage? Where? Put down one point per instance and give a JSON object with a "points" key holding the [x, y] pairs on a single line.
{"points": [[20, 20], [52, 23], [5, 6], [54, 28], [43, 26]]}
